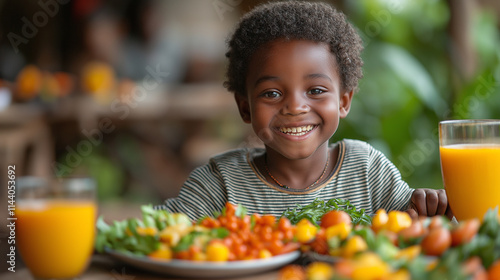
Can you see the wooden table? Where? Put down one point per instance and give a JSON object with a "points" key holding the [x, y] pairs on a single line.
{"points": [[104, 267]]}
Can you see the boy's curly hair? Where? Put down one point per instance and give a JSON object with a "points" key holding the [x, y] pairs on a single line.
{"points": [[294, 20]]}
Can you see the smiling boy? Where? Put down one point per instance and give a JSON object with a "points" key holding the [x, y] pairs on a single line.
{"points": [[294, 68]]}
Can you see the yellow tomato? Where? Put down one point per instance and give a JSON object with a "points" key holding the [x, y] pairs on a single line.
{"points": [[341, 230], [264, 254], [370, 266], [305, 231], [164, 252], [146, 231], [398, 220], [409, 253], [217, 252], [380, 219], [319, 271], [354, 245], [401, 274]]}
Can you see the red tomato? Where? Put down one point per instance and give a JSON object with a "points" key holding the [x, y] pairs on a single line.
{"points": [[230, 209], [284, 224], [437, 241], [268, 220], [335, 217], [464, 232], [415, 230], [275, 247]]}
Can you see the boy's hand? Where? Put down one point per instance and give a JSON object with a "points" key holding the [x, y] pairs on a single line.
{"points": [[429, 202]]}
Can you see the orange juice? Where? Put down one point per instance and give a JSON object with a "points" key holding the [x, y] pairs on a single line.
{"points": [[55, 238], [471, 175]]}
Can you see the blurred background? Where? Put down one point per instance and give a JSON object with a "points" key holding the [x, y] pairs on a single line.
{"points": [[130, 92]]}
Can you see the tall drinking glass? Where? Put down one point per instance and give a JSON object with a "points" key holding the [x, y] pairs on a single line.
{"points": [[55, 225], [470, 165]]}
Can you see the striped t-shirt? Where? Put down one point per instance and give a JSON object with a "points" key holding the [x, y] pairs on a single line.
{"points": [[363, 175]]}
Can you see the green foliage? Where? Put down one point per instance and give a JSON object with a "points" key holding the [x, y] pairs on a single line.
{"points": [[315, 211], [411, 83]]}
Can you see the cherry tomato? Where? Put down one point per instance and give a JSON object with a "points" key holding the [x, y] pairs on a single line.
{"points": [[278, 235], [437, 241], [275, 247], [436, 222], [380, 220], [217, 252], [232, 223], [335, 217], [474, 267], [230, 209], [268, 220], [284, 224], [416, 229], [292, 272], [464, 232], [210, 222], [344, 268], [240, 251], [494, 271]]}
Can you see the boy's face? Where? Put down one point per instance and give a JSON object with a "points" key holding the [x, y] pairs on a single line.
{"points": [[294, 97]]}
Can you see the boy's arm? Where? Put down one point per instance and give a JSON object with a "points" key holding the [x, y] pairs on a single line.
{"points": [[429, 202]]}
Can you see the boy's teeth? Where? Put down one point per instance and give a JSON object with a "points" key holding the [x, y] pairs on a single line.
{"points": [[297, 131]]}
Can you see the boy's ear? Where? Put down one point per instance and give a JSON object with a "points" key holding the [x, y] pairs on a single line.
{"points": [[243, 107], [345, 103]]}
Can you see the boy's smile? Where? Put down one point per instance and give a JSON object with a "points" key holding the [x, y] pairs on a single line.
{"points": [[294, 97]]}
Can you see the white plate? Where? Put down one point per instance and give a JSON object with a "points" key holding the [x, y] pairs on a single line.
{"points": [[206, 269]]}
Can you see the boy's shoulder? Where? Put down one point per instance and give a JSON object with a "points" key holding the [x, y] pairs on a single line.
{"points": [[356, 146], [237, 156]]}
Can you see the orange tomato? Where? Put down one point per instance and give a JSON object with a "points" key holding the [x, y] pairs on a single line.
{"points": [[437, 241], [275, 247], [284, 224], [464, 232], [230, 209], [335, 217], [29, 82], [268, 220], [344, 268], [416, 229], [494, 271], [292, 272]]}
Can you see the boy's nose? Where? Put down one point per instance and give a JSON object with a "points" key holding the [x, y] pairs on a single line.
{"points": [[295, 104]]}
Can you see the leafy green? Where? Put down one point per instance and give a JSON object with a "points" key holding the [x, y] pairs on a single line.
{"points": [[315, 210], [115, 237], [122, 236]]}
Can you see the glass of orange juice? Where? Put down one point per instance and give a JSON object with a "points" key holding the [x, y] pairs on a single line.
{"points": [[470, 165], [55, 225]]}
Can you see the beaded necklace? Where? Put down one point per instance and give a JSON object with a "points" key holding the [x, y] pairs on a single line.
{"points": [[285, 186]]}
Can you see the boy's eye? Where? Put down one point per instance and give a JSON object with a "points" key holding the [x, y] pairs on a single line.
{"points": [[316, 91], [271, 94]]}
